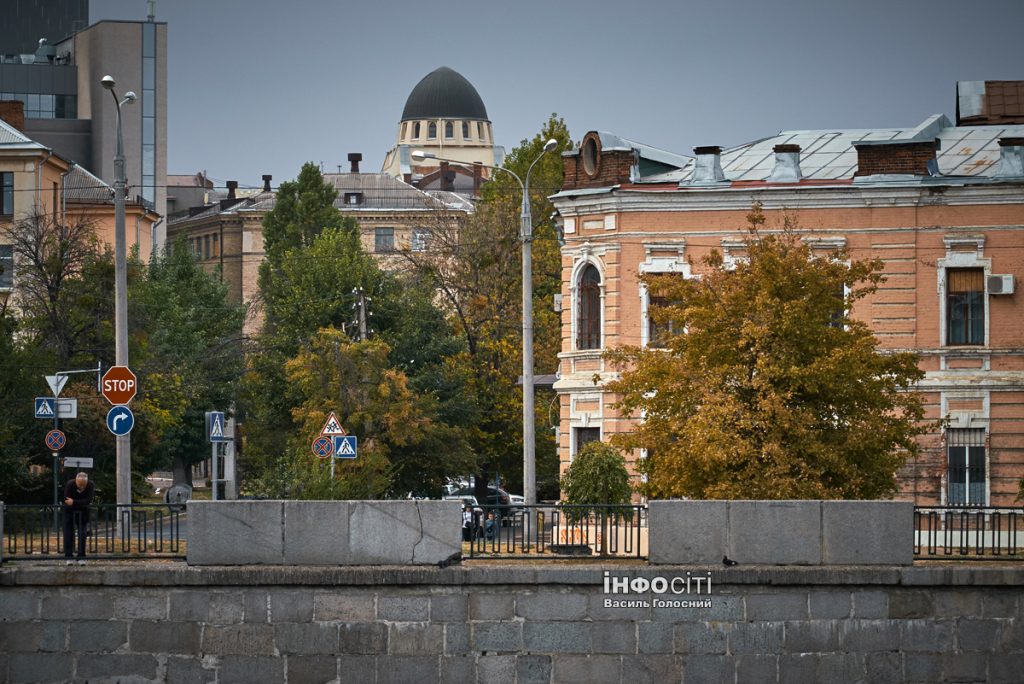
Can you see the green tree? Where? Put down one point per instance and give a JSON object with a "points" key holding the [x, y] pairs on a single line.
{"points": [[597, 475], [768, 389]]}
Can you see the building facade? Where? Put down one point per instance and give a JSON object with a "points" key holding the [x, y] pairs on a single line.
{"points": [[941, 204]]}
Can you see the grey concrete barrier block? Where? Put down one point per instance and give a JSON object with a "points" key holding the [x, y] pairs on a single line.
{"points": [[867, 532], [316, 532], [685, 532], [404, 532], [775, 532], [235, 532]]}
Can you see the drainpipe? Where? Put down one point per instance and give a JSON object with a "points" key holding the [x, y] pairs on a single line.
{"points": [[64, 193], [152, 237], [39, 175]]}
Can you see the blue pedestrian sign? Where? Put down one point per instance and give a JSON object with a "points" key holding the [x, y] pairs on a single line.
{"points": [[345, 446], [215, 427], [120, 420], [45, 407]]}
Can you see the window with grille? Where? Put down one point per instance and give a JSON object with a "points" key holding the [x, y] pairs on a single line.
{"points": [[419, 240], [965, 449], [588, 333], [965, 306]]}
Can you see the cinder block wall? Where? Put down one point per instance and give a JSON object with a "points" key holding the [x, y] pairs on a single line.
{"points": [[508, 623]]}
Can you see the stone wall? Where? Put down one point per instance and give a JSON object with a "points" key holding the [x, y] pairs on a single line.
{"points": [[509, 623]]}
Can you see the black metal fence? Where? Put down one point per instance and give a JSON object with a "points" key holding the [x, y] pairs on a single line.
{"points": [[958, 533], [556, 531], [112, 531]]}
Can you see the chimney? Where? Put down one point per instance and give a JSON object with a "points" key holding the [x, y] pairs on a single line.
{"points": [[266, 182], [895, 157], [232, 186], [787, 164], [354, 158], [708, 168], [407, 178], [446, 177], [1011, 158], [13, 112], [478, 177]]}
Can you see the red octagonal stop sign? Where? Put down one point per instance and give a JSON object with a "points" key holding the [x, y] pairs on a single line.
{"points": [[119, 385]]}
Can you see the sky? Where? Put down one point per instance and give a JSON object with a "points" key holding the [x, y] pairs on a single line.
{"points": [[262, 86]]}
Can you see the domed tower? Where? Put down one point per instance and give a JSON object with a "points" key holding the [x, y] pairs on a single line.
{"points": [[444, 116]]}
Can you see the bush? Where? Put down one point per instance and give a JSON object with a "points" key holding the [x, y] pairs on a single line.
{"points": [[597, 475]]}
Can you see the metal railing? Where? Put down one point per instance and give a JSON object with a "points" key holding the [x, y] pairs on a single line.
{"points": [[956, 532], [557, 531], [112, 531]]}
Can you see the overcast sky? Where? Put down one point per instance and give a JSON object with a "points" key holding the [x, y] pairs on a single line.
{"points": [[260, 86]]}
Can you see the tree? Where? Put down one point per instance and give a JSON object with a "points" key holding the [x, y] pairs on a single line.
{"points": [[597, 475], [767, 388]]}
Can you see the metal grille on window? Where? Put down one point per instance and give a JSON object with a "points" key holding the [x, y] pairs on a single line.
{"points": [[965, 306], [966, 467], [589, 320]]}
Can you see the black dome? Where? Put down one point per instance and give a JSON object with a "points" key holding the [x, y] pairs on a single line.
{"points": [[444, 94]]}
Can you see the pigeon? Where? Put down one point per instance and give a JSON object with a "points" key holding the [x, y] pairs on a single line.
{"points": [[729, 562], [450, 560]]}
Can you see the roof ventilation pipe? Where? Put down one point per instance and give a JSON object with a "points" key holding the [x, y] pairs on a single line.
{"points": [[708, 167], [787, 164], [354, 158], [266, 182], [232, 187], [1011, 158]]}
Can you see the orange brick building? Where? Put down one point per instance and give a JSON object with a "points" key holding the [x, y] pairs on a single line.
{"points": [[941, 204]]}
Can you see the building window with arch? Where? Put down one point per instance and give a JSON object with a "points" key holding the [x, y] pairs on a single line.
{"points": [[432, 131], [449, 130], [405, 129], [465, 130], [588, 307], [480, 130], [416, 130]]}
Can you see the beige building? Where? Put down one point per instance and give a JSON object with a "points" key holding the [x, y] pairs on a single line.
{"points": [[942, 205]]}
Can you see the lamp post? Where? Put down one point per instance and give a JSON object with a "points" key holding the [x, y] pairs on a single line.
{"points": [[526, 236], [124, 446]]}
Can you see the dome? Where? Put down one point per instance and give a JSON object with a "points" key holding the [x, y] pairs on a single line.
{"points": [[444, 94]]}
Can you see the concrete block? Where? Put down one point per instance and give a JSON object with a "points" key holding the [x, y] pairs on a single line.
{"points": [[97, 635], [884, 668], [363, 638], [403, 608], [415, 638], [775, 532], [456, 639], [1005, 668], [841, 667], [141, 605], [1003, 603], [246, 670], [188, 670], [931, 636], [227, 608], [449, 608], [651, 669], [52, 637], [20, 604], [309, 638], [245, 640], [594, 669], [312, 669], [551, 605], [405, 669], [687, 532], [829, 605], [963, 667], [116, 667], [598, 610], [698, 637], [756, 637], [534, 669], [347, 607], [291, 606], [459, 669], [815, 636], [801, 667], [404, 532], [709, 669], [19, 637], [316, 532], [870, 605], [235, 532], [777, 606], [556, 637], [164, 637], [40, 667], [655, 637], [254, 606], [613, 637], [868, 635], [496, 669], [357, 668], [497, 637], [752, 669], [488, 606], [867, 532], [189, 606], [911, 603], [76, 605], [923, 667]]}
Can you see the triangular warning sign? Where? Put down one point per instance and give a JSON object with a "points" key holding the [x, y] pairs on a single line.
{"points": [[45, 409], [332, 427], [345, 448], [217, 430]]}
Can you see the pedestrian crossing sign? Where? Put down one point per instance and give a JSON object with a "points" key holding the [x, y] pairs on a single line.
{"points": [[44, 407], [345, 446], [332, 428]]}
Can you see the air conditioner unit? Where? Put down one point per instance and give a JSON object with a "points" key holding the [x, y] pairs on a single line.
{"points": [[1000, 284]]}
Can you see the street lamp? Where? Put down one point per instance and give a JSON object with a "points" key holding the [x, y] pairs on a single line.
{"points": [[526, 236], [124, 445]]}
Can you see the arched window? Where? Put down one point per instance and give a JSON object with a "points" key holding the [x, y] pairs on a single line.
{"points": [[449, 130], [481, 130], [588, 320], [416, 130], [432, 131], [465, 130]]}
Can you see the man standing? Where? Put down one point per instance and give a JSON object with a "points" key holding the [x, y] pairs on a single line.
{"points": [[77, 498]]}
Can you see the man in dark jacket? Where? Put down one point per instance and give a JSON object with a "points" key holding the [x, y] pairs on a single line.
{"points": [[78, 494]]}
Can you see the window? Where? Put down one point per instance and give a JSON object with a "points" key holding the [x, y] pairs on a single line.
{"points": [[965, 306], [6, 194], [965, 449], [449, 130], [588, 331], [432, 131], [658, 333], [206, 247], [585, 435], [384, 240], [216, 248], [405, 129], [465, 130], [6, 267], [353, 198], [419, 239], [416, 130]]}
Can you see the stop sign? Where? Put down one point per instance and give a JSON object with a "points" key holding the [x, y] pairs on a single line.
{"points": [[118, 385]]}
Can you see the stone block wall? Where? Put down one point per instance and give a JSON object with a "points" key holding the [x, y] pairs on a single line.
{"points": [[521, 624]]}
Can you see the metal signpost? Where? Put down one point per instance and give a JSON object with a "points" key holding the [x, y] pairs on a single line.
{"points": [[332, 430], [218, 432], [54, 408]]}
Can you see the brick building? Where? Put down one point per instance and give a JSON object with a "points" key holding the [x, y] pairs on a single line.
{"points": [[942, 204]]}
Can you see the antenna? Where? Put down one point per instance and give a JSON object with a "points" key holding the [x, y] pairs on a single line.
{"points": [[150, 10]]}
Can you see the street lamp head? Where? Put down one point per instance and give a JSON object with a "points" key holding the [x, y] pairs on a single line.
{"points": [[108, 82], [130, 97], [550, 145], [420, 155]]}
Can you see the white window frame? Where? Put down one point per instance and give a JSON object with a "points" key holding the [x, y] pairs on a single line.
{"points": [[656, 265], [577, 272], [958, 258]]}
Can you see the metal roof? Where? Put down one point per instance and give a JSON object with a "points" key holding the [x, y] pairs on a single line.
{"points": [[444, 94], [9, 135], [82, 186]]}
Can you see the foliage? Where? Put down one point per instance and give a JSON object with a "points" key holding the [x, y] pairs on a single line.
{"points": [[772, 391], [597, 475]]}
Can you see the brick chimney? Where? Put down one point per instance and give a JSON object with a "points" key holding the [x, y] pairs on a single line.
{"points": [[787, 164], [1011, 158], [13, 112], [354, 158], [266, 182], [232, 187], [447, 177], [895, 157], [478, 177], [708, 168]]}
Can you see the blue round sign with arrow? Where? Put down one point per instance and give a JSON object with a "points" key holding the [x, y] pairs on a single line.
{"points": [[120, 420]]}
